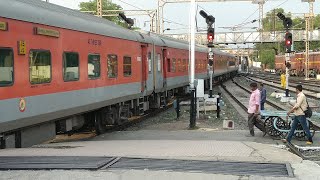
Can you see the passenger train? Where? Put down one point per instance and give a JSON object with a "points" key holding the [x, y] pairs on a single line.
{"points": [[61, 69]]}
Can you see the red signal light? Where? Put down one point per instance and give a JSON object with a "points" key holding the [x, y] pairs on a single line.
{"points": [[210, 37], [288, 42]]}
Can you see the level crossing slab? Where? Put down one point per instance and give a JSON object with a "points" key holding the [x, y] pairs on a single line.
{"points": [[234, 146]]}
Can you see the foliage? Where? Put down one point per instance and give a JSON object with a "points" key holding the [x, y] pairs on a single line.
{"points": [[267, 58], [271, 22], [106, 5]]}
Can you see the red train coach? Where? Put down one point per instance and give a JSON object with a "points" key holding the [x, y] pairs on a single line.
{"points": [[61, 69], [298, 64]]}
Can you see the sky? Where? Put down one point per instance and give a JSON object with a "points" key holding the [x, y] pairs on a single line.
{"points": [[226, 13]]}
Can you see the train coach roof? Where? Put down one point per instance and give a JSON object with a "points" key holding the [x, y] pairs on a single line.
{"points": [[38, 11], [171, 42], [218, 52], [161, 40]]}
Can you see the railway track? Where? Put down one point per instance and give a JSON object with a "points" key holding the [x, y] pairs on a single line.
{"points": [[292, 78], [267, 101], [276, 87], [276, 80], [306, 153]]}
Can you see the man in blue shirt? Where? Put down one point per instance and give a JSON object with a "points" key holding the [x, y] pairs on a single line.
{"points": [[176, 106], [263, 97]]}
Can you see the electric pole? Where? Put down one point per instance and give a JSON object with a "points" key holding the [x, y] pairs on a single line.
{"points": [[309, 27], [99, 8], [307, 17], [192, 65]]}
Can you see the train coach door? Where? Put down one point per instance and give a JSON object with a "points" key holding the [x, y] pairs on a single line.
{"points": [[144, 71], [165, 67]]}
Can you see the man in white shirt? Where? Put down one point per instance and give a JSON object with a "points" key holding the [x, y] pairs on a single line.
{"points": [[299, 116]]}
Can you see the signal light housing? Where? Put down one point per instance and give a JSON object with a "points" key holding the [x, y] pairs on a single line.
{"points": [[129, 21], [210, 62], [281, 16], [209, 18], [288, 65], [288, 42], [210, 36]]}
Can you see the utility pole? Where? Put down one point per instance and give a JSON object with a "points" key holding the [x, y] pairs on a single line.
{"points": [[99, 8], [192, 64], [274, 22], [287, 23], [309, 27], [306, 69], [311, 15], [260, 3]]}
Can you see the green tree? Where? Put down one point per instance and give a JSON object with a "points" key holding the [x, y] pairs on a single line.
{"points": [[106, 5], [271, 22], [267, 58]]}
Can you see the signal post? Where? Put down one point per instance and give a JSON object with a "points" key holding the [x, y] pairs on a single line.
{"points": [[210, 36], [288, 44], [287, 23]]}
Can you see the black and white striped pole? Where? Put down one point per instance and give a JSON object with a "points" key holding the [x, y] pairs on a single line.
{"points": [[192, 124]]}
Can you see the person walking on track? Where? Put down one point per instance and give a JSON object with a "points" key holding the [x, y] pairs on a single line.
{"points": [[176, 106], [254, 110], [263, 99], [299, 116]]}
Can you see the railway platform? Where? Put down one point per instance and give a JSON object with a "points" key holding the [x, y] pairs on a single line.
{"points": [[161, 154]]}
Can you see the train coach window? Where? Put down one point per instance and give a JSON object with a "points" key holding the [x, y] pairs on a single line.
{"points": [[93, 66], [179, 65], [127, 66], [149, 62], [40, 66], [184, 65], [168, 65], [173, 65], [6, 67], [112, 66], [159, 62], [70, 66]]}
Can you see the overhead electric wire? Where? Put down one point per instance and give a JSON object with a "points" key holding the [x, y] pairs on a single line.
{"points": [[132, 5], [281, 4], [258, 9], [167, 20]]}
